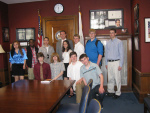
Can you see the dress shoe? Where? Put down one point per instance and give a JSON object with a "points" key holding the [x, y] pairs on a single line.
{"points": [[101, 106], [110, 94], [116, 96]]}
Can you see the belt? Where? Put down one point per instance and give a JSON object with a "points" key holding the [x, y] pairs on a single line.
{"points": [[113, 60]]}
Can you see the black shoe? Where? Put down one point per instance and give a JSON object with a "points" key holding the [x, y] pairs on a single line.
{"points": [[101, 106], [116, 96], [110, 94]]}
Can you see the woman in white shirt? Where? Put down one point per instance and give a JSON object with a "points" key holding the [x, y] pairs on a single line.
{"points": [[66, 50]]}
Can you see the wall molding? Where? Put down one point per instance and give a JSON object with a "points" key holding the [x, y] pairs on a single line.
{"points": [[4, 77], [141, 74], [141, 84]]}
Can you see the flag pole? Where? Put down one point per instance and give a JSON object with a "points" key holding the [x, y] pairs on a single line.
{"points": [[38, 11], [79, 8]]}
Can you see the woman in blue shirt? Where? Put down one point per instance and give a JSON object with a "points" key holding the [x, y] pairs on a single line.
{"points": [[17, 61]]}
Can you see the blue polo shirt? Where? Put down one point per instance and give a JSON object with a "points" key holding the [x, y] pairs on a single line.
{"points": [[92, 51]]}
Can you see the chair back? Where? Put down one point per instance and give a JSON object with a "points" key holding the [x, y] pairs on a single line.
{"points": [[90, 83], [84, 99], [94, 106]]}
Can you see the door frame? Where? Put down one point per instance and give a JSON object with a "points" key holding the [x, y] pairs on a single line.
{"points": [[54, 18]]}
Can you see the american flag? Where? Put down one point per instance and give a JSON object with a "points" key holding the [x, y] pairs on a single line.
{"points": [[40, 32]]}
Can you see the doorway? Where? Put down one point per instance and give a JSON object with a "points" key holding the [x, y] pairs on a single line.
{"points": [[53, 25]]}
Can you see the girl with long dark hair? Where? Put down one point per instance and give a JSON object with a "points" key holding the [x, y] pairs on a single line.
{"points": [[66, 50], [17, 61]]}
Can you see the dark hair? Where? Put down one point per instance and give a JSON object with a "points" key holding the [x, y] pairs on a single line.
{"points": [[113, 30], [73, 53], [32, 40], [63, 31], [82, 56], [63, 49], [76, 35], [13, 49], [40, 54], [117, 20], [46, 38]]}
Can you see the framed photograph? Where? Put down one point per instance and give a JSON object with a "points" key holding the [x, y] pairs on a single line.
{"points": [[106, 19], [136, 12], [30, 33], [5, 33], [147, 29], [136, 42], [21, 34], [25, 34], [136, 27], [124, 30]]}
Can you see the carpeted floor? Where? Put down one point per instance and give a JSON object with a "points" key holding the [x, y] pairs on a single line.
{"points": [[127, 103]]}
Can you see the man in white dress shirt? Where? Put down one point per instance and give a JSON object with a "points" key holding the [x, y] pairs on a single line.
{"points": [[79, 48], [73, 71]]}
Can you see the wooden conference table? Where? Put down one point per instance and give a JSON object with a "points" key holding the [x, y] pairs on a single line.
{"points": [[32, 96]]}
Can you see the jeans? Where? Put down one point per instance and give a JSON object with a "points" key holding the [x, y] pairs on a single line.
{"points": [[93, 94]]}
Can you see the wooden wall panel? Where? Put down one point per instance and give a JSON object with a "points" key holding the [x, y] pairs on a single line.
{"points": [[141, 84]]}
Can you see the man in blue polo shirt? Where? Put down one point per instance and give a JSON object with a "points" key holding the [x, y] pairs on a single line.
{"points": [[94, 48]]}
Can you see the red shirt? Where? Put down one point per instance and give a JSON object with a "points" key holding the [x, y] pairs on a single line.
{"points": [[46, 71]]}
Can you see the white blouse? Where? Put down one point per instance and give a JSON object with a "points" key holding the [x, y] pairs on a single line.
{"points": [[66, 57]]}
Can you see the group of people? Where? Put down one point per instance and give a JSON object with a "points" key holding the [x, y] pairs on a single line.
{"points": [[72, 62]]}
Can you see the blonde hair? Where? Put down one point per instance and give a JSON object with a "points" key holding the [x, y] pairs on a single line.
{"points": [[92, 30], [54, 54], [76, 35]]}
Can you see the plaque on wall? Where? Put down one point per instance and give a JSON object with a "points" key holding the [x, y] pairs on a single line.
{"points": [[25, 34], [106, 19]]}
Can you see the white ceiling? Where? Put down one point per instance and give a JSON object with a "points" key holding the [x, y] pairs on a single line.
{"points": [[18, 1]]}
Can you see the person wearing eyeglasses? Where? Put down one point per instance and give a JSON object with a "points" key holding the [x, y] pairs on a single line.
{"points": [[47, 50]]}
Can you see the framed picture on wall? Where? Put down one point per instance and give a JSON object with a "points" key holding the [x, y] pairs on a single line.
{"points": [[147, 29], [30, 33], [106, 19], [25, 34], [20, 34], [136, 27], [5, 33], [136, 12], [136, 42]]}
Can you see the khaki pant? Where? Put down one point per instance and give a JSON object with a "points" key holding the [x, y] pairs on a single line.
{"points": [[30, 74], [114, 77], [79, 88]]}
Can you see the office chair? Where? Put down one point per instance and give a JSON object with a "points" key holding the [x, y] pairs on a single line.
{"points": [[76, 108], [90, 83], [94, 106]]}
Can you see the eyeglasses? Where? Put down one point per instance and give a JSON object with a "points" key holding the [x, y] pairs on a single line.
{"points": [[47, 56]]}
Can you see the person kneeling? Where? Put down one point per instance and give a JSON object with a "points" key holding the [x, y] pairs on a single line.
{"points": [[90, 71], [73, 71]]}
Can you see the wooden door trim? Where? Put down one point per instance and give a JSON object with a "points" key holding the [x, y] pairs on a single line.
{"points": [[67, 17]]}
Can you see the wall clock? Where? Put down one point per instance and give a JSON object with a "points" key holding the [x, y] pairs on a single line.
{"points": [[58, 8]]}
